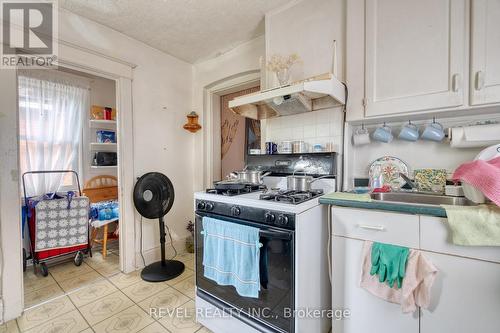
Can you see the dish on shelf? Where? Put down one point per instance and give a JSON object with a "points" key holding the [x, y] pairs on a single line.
{"points": [[389, 167]]}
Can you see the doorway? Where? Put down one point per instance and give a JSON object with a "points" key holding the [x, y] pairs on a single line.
{"points": [[68, 121], [235, 130]]}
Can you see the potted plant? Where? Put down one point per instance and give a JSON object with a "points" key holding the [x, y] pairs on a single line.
{"points": [[190, 238]]}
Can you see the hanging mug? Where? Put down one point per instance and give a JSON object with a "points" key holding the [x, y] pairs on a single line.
{"points": [[383, 134], [433, 132], [361, 137]]}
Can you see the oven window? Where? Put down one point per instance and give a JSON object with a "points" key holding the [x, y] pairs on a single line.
{"points": [[276, 274]]}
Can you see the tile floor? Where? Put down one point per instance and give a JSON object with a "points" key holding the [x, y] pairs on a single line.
{"points": [[109, 301]]}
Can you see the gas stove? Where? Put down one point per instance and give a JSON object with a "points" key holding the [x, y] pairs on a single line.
{"points": [[291, 197], [236, 189]]}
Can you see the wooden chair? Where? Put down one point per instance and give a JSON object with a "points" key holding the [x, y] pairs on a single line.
{"points": [[101, 188]]}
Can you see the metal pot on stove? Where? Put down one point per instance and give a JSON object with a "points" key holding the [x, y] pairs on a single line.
{"points": [[301, 183], [248, 176]]}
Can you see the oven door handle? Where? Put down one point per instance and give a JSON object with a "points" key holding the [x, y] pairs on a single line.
{"points": [[275, 234]]}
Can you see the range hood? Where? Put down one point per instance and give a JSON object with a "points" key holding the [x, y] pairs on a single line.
{"points": [[317, 93]]}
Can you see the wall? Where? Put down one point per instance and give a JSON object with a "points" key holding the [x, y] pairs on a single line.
{"points": [[233, 64], [162, 94]]}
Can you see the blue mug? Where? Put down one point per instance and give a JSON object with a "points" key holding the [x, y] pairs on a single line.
{"points": [[271, 148], [383, 134], [433, 132], [409, 132]]}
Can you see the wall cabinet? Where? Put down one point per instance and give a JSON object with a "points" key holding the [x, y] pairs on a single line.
{"points": [[465, 295], [414, 55], [485, 52]]}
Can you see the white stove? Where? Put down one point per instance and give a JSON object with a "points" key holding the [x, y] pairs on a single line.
{"points": [[296, 236]]}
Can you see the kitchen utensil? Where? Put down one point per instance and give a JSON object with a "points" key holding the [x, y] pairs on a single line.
{"points": [[409, 132], [299, 147], [248, 176], [285, 147], [271, 148], [433, 132], [361, 137], [430, 180], [471, 192], [383, 134], [386, 170], [301, 183]]}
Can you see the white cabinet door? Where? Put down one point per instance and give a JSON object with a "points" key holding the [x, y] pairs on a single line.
{"points": [[367, 312], [465, 296], [485, 52], [414, 55]]}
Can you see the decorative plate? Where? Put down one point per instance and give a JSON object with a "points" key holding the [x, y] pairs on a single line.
{"points": [[390, 167]]}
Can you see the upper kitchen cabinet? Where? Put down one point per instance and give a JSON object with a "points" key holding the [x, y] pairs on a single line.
{"points": [[485, 52], [414, 55]]}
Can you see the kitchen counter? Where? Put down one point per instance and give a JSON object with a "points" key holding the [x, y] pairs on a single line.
{"points": [[389, 206]]}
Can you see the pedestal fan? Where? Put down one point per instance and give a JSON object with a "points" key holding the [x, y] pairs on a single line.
{"points": [[153, 199]]}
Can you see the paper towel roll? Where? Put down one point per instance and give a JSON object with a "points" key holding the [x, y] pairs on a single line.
{"points": [[475, 136]]}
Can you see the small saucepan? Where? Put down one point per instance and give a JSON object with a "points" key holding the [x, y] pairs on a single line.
{"points": [[301, 183]]}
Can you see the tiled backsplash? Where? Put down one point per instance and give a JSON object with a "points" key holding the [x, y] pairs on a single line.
{"points": [[314, 127]]}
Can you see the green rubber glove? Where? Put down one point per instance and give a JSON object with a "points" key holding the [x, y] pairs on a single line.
{"points": [[389, 263]]}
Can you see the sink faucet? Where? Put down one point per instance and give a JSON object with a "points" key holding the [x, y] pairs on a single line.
{"points": [[408, 181]]}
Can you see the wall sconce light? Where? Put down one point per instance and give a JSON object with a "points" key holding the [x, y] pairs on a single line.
{"points": [[192, 123]]}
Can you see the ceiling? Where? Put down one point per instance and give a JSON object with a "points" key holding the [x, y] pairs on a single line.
{"points": [[191, 30]]}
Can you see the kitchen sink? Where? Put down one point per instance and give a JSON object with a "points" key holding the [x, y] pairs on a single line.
{"points": [[421, 199]]}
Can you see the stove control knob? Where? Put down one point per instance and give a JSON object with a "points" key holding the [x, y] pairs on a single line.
{"points": [[270, 217], [209, 206], [201, 205], [235, 211], [282, 220]]}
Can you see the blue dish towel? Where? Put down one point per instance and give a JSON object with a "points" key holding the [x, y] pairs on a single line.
{"points": [[231, 255]]}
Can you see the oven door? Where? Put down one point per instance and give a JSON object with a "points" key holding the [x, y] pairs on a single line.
{"points": [[276, 297]]}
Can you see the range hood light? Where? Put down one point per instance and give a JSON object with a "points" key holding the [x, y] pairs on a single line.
{"points": [[278, 100]]}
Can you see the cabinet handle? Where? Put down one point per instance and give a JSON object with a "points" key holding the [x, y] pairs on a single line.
{"points": [[456, 82], [479, 80], [372, 227]]}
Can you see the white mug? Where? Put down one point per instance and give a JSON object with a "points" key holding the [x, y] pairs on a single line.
{"points": [[285, 147], [361, 137]]}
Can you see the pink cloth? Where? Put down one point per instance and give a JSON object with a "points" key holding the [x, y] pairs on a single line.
{"points": [[483, 175], [417, 283]]}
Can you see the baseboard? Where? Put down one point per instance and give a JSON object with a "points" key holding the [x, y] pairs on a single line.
{"points": [[152, 255]]}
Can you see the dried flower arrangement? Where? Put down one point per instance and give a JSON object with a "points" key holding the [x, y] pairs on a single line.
{"points": [[280, 65]]}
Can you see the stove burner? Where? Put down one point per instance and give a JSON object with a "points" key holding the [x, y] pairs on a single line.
{"points": [[293, 197], [229, 191]]}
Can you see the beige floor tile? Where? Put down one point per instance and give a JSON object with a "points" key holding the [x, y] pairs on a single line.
{"points": [[122, 280], [185, 256], [203, 329], [108, 269], [187, 273], [9, 327], [92, 293], [80, 280], [97, 260], [105, 307], [130, 320], [154, 328], [166, 299], [71, 322], [34, 282], [142, 290], [45, 312], [41, 295], [68, 270], [183, 320], [189, 264], [186, 286], [88, 330]]}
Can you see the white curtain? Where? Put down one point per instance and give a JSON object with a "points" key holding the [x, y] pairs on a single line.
{"points": [[51, 109]]}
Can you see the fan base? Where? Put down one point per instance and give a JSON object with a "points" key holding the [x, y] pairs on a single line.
{"points": [[156, 272]]}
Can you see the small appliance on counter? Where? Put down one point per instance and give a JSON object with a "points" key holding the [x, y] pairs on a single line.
{"points": [[102, 158]]}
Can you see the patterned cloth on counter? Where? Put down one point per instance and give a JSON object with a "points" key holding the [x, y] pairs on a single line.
{"points": [[416, 287]]}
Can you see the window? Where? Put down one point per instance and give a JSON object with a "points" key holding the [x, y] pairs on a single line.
{"points": [[50, 129]]}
